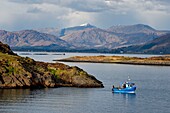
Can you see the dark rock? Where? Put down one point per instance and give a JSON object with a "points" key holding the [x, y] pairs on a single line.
{"points": [[4, 48]]}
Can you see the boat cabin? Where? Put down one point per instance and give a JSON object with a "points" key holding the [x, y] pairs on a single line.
{"points": [[128, 84]]}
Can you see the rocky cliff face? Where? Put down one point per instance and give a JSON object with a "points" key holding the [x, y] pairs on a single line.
{"points": [[20, 72]]}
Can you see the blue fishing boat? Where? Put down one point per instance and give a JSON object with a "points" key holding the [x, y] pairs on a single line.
{"points": [[127, 87]]}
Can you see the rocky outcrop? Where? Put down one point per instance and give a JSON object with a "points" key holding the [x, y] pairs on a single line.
{"points": [[4, 48], [21, 72]]}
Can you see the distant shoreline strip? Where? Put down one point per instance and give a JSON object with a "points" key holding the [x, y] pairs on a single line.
{"points": [[131, 63]]}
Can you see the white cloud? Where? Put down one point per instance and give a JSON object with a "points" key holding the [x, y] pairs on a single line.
{"points": [[157, 19], [27, 1], [9, 12], [23, 14], [77, 18]]}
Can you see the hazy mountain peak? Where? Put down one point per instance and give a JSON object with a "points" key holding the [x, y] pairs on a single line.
{"points": [[64, 31], [2, 32], [27, 31], [136, 28], [144, 26], [85, 24], [134, 25], [47, 29]]}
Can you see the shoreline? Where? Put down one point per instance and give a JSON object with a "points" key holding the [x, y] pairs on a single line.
{"points": [[152, 61]]}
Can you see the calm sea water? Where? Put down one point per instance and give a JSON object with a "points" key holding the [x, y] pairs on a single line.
{"points": [[152, 95]]}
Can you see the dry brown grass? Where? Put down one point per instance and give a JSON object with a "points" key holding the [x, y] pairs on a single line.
{"points": [[161, 60]]}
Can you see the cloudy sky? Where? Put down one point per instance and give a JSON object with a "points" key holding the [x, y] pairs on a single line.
{"points": [[30, 14]]}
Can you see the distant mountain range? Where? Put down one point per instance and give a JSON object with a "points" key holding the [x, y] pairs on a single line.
{"points": [[83, 38], [64, 31], [159, 45], [31, 39]]}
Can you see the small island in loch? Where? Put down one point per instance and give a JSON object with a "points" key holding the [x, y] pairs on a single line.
{"points": [[24, 72], [159, 60]]}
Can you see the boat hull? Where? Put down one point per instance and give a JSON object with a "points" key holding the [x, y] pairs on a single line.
{"points": [[124, 90]]}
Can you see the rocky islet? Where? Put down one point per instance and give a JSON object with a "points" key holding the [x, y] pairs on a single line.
{"points": [[24, 72]]}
